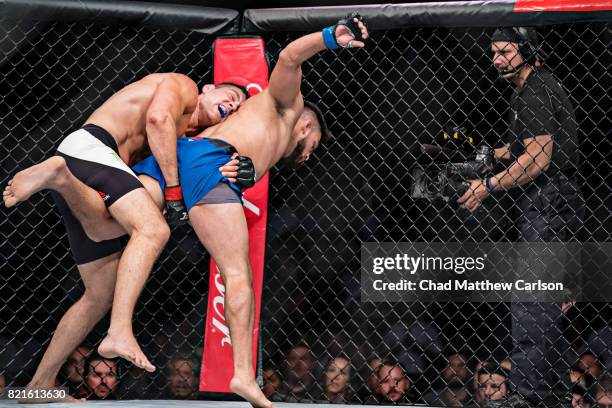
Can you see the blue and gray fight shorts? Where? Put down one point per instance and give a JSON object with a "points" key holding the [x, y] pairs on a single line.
{"points": [[198, 166]]}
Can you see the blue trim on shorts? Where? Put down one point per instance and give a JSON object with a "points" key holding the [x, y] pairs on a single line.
{"points": [[198, 166]]}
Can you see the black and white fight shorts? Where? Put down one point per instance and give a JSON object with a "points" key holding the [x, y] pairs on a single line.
{"points": [[92, 156]]}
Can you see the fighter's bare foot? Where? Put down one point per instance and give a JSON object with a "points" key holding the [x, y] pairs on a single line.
{"points": [[48, 174], [127, 348], [249, 390]]}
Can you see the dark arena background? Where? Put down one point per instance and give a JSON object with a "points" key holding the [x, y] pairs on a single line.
{"points": [[425, 69]]}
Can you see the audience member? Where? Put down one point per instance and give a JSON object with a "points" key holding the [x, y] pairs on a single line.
{"points": [[456, 377], [271, 380], [456, 370], [599, 344], [368, 378], [393, 384], [101, 376], [182, 378], [492, 382], [373, 365], [582, 396], [298, 380], [338, 374], [579, 375], [3, 382], [590, 364]]}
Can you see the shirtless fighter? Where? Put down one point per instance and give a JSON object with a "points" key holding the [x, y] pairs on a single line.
{"points": [[92, 163], [269, 126]]}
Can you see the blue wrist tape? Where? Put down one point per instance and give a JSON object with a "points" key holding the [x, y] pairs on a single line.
{"points": [[329, 38], [489, 185]]}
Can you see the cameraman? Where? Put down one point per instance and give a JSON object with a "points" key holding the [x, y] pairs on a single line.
{"points": [[542, 147]]}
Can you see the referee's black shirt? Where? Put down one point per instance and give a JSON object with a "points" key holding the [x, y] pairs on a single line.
{"points": [[541, 107]]}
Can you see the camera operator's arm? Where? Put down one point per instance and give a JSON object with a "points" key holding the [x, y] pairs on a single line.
{"points": [[502, 153], [529, 165]]}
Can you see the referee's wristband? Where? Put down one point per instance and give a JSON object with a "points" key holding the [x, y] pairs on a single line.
{"points": [[329, 38], [489, 185]]}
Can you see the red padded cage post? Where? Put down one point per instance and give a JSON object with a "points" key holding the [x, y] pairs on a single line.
{"points": [[242, 61]]}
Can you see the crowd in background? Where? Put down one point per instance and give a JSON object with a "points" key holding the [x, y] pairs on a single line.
{"points": [[463, 382], [300, 376]]}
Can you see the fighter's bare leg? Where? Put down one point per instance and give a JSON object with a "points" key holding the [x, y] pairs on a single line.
{"points": [[99, 280], [154, 190], [137, 214], [222, 229], [84, 202]]}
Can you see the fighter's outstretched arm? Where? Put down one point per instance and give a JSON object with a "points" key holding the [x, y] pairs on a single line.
{"points": [[284, 85]]}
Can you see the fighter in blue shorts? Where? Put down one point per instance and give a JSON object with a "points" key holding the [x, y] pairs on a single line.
{"points": [[199, 161], [274, 124]]}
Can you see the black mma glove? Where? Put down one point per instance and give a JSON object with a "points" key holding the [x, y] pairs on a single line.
{"points": [[176, 213], [246, 173]]}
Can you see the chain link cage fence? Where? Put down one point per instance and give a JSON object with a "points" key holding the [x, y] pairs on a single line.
{"points": [[403, 89]]}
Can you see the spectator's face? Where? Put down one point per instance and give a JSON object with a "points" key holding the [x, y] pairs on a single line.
{"points": [[374, 365], [337, 375], [456, 370], [576, 377], [75, 365], [2, 383], [272, 382], [182, 379], [299, 364], [604, 399], [590, 364], [102, 377], [393, 383], [492, 387], [577, 402]]}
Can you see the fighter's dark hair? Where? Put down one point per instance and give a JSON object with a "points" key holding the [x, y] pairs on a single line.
{"points": [[242, 88], [325, 133]]}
